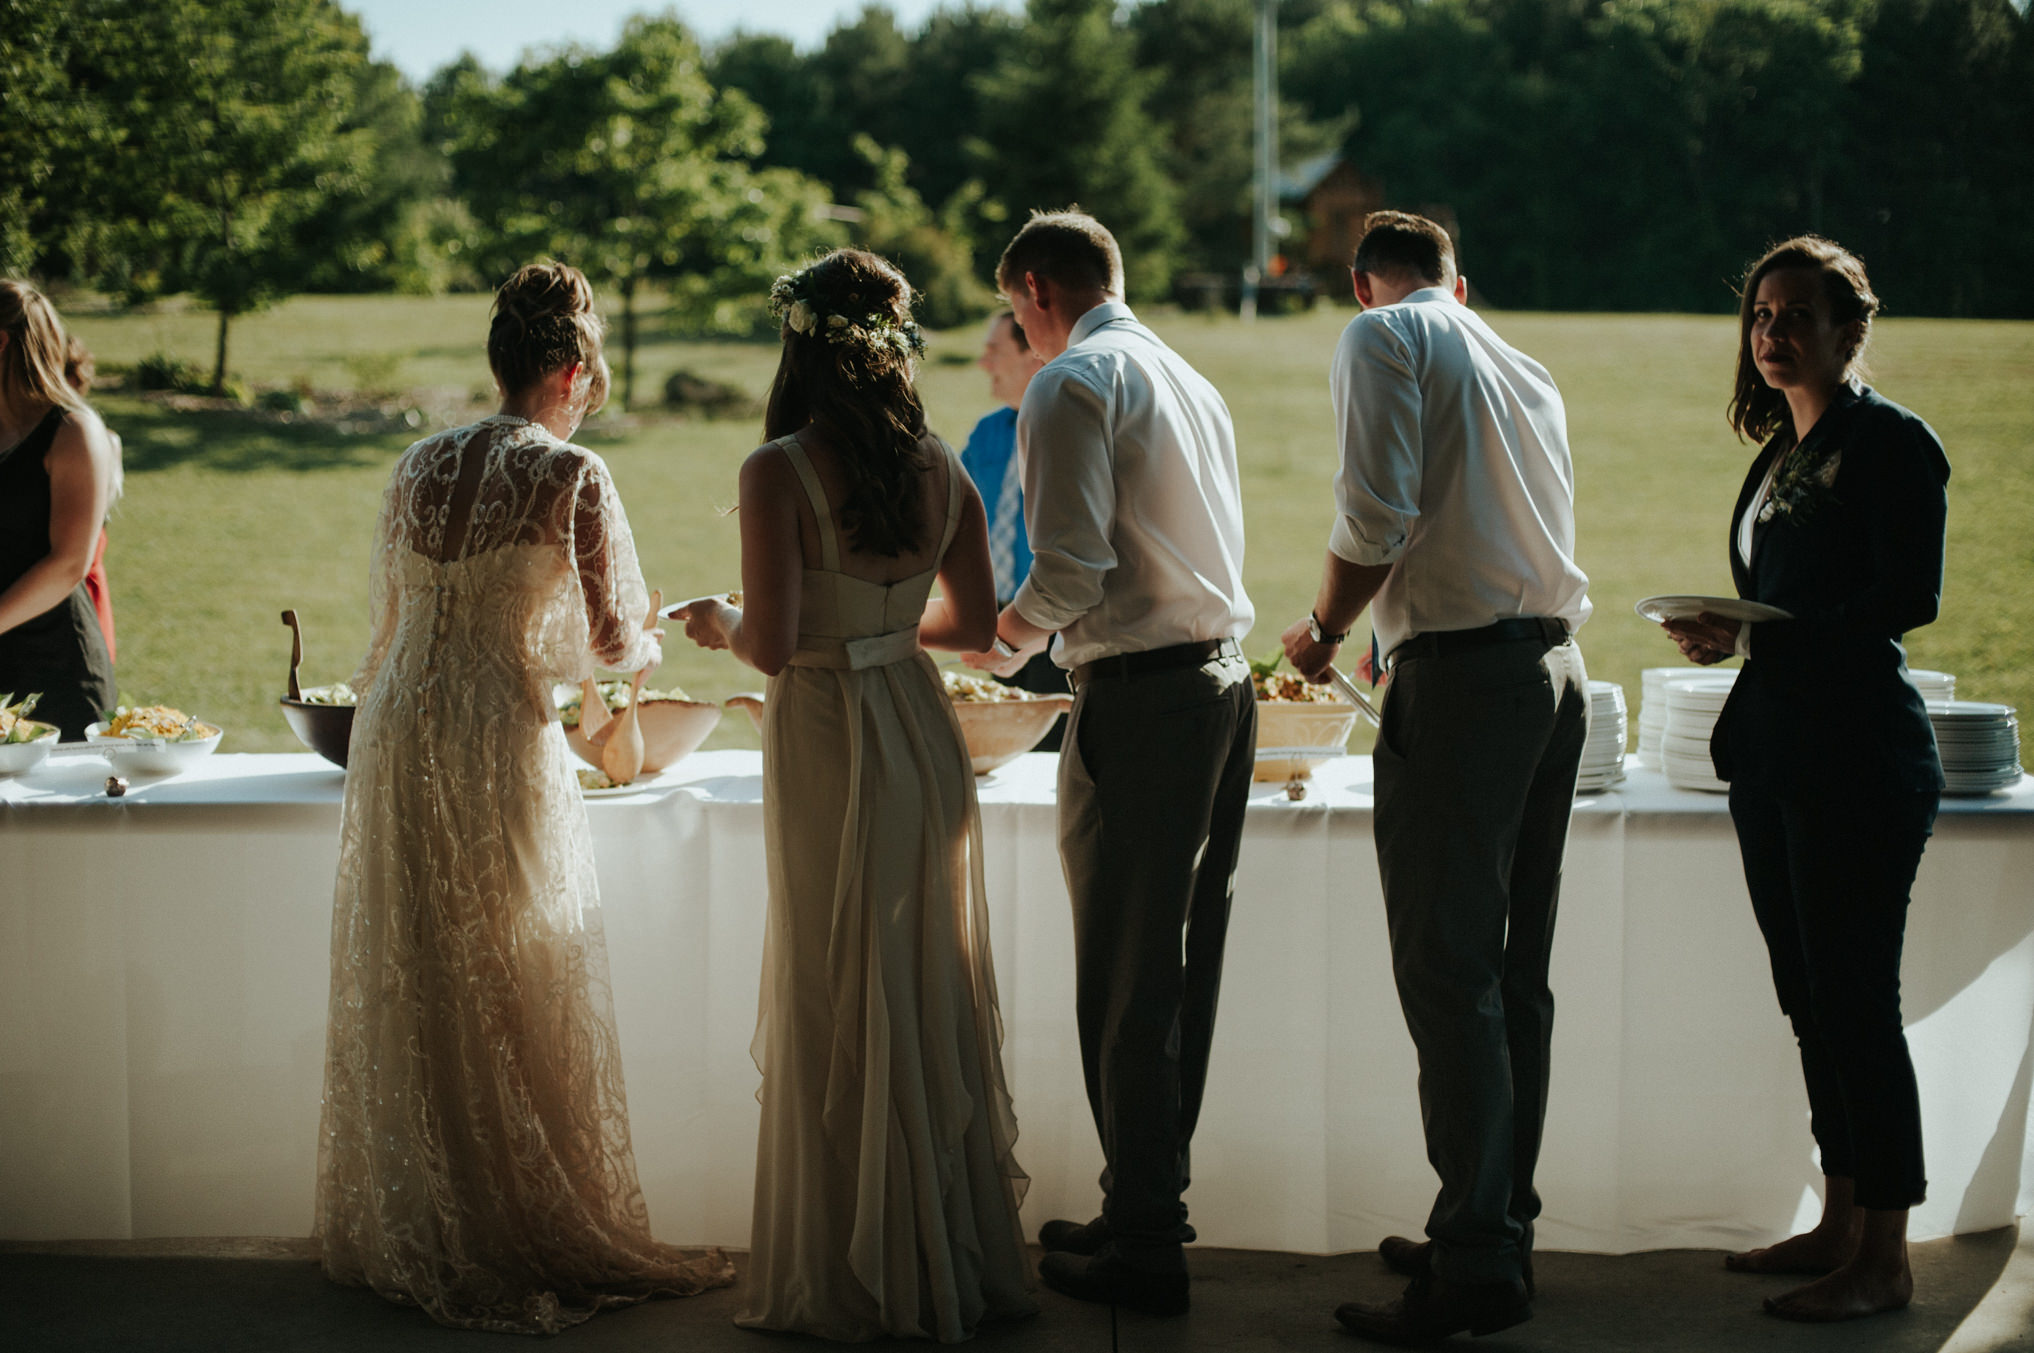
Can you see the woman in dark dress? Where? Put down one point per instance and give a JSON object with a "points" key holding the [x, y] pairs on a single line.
{"points": [[58, 474], [1833, 771]]}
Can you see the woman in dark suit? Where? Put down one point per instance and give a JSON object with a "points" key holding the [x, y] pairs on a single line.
{"points": [[1834, 777]]}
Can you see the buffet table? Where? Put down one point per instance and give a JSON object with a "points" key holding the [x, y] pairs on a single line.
{"points": [[163, 978]]}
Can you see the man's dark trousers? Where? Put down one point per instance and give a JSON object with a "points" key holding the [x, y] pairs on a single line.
{"points": [[1475, 779], [1153, 781]]}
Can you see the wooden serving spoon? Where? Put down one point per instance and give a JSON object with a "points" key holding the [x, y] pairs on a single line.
{"points": [[622, 757], [296, 653], [593, 715]]}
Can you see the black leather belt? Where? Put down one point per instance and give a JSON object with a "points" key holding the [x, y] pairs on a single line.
{"points": [[1550, 632], [1124, 665]]}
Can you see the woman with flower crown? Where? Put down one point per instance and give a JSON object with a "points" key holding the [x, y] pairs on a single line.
{"points": [[1833, 769], [886, 1189]]}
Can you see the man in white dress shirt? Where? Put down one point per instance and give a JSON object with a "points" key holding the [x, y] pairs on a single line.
{"points": [[1456, 527], [1131, 503]]}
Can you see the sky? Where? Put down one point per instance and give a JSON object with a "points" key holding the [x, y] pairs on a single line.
{"points": [[419, 36]]}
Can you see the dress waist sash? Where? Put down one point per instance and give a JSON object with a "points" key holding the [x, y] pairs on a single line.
{"points": [[871, 650]]}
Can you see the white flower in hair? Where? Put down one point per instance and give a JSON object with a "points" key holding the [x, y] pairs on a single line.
{"points": [[801, 318], [836, 322]]}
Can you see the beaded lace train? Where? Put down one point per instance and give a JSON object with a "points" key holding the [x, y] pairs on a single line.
{"points": [[474, 1154]]}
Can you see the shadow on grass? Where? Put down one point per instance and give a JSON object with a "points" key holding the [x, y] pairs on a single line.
{"points": [[242, 441]]}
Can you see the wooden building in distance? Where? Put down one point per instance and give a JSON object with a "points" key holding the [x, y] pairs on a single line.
{"points": [[1330, 196]]}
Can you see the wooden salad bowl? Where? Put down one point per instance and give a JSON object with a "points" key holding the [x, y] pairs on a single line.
{"points": [[999, 731], [672, 731], [996, 731], [325, 729]]}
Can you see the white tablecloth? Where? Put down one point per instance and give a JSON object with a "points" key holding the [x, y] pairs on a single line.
{"points": [[163, 980]]}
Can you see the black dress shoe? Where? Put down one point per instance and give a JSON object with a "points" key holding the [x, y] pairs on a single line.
{"points": [[1433, 1309], [1410, 1258], [1106, 1278], [1088, 1237], [1074, 1237]]}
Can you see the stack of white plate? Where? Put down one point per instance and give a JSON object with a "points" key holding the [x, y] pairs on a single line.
{"points": [[1692, 707], [1932, 685], [1603, 753], [1980, 745], [1652, 720]]}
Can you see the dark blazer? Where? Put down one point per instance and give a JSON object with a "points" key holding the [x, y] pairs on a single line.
{"points": [[1823, 701]]}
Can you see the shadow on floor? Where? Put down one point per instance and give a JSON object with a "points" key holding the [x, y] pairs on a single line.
{"points": [[1670, 1301]]}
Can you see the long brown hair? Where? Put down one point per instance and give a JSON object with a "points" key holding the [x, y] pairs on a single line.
{"points": [[854, 380], [32, 367], [1757, 410], [544, 321]]}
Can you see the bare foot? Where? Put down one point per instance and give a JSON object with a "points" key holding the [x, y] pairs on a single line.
{"points": [[1856, 1289], [1813, 1252]]}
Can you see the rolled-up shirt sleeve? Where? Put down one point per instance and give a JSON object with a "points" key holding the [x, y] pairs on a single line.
{"points": [[1069, 498], [1376, 394]]}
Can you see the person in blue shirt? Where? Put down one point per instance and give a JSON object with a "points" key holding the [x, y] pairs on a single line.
{"points": [[990, 459]]}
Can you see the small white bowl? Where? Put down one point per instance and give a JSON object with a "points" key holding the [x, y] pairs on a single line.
{"points": [[153, 756], [18, 757]]}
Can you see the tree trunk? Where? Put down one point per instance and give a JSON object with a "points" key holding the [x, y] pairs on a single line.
{"points": [[219, 359], [628, 291]]}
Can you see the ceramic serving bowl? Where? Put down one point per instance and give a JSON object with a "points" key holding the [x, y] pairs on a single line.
{"points": [[325, 729], [672, 731], [1300, 734], [17, 757], [154, 756]]}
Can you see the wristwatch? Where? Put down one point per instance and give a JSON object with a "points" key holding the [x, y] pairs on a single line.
{"points": [[1320, 636]]}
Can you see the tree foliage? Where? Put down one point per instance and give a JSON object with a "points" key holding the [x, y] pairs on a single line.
{"points": [[627, 164], [233, 130]]}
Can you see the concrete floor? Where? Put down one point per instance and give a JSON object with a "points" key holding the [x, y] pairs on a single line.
{"points": [[1975, 1294]]}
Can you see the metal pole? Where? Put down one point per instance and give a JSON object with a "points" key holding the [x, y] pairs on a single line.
{"points": [[1264, 81]]}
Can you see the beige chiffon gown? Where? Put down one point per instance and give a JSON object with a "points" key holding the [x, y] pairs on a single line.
{"points": [[886, 1189], [474, 1154]]}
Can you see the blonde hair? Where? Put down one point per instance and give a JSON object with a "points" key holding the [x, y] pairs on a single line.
{"points": [[32, 365]]}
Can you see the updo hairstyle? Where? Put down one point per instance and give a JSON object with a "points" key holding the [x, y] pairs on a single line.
{"points": [[32, 367], [854, 379], [544, 321], [1757, 410]]}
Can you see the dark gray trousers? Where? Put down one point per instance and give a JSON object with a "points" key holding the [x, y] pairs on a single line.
{"points": [[1475, 778], [1153, 781]]}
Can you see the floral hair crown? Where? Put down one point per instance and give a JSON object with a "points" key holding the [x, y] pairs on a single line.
{"points": [[791, 301]]}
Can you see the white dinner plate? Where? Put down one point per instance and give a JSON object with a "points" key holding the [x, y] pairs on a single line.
{"points": [[648, 782], [671, 612], [1657, 609]]}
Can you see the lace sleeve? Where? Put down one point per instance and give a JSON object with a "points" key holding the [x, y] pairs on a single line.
{"points": [[609, 576], [381, 592]]}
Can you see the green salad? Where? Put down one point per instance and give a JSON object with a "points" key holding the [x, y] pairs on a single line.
{"points": [[614, 694]]}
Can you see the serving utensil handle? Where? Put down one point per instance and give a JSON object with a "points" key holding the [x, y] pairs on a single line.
{"points": [[296, 653], [1354, 696]]}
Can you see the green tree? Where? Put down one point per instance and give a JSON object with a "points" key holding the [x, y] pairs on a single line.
{"points": [[37, 114], [1063, 121], [628, 164], [931, 247], [232, 120], [403, 231]]}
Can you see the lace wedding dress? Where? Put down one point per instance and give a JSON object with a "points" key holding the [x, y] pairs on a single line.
{"points": [[474, 1154], [886, 1187]]}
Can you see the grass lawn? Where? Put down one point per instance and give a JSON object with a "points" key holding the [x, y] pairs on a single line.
{"points": [[231, 517]]}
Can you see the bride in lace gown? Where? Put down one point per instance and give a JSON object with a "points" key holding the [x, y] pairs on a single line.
{"points": [[886, 1188], [474, 1154]]}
